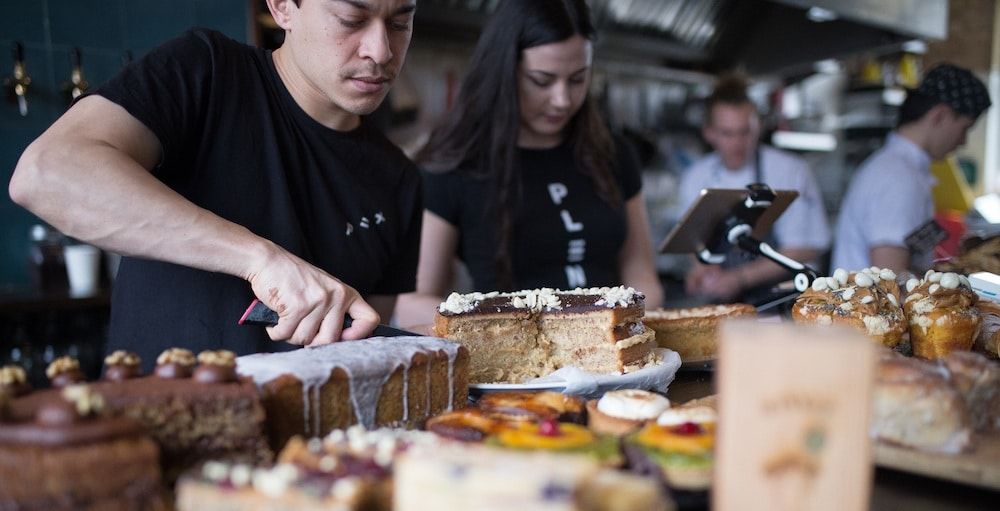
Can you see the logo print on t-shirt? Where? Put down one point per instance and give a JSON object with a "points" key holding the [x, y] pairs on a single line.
{"points": [[365, 223], [577, 250]]}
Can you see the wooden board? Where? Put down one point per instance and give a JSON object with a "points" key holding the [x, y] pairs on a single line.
{"points": [[980, 467]]}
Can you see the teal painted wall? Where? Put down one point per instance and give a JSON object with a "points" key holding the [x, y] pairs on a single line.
{"points": [[103, 30]]}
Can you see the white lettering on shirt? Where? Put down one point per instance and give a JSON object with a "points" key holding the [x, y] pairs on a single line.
{"points": [[577, 251], [379, 217], [350, 229], [571, 226], [575, 276], [558, 192], [364, 222]]}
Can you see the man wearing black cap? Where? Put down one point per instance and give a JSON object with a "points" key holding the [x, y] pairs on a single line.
{"points": [[890, 195]]}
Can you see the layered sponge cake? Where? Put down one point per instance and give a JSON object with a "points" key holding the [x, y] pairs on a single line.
{"points": [[514, 337], [373, 382]]}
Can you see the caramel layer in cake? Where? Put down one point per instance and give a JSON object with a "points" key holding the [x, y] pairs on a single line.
{"points": [[513, 337]]}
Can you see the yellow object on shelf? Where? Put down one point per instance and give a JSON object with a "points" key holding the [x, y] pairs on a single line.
{"points": [[952, 191]]}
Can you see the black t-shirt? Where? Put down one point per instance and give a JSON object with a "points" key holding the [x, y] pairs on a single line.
{"points": [[564, 235], [236, 143]]}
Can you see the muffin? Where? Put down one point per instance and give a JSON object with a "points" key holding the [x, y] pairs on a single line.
{"points": [[942, 314], [868, 300]]}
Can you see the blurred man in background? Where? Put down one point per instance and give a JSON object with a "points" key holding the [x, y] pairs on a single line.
{"points": [[732, 128], [890, 194]]}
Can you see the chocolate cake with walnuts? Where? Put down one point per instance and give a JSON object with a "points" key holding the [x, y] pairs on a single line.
{"points": [[195, 409], [373, 382], [69, 456], [514, 337]]}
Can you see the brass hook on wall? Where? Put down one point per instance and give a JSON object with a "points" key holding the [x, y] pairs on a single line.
{"points": [[17, 84], [77, 83]]}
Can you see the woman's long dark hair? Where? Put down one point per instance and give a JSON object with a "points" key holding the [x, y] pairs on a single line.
{"points": [[480, 133]]}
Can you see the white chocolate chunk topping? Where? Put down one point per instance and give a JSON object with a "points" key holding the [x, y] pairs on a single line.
{"points": [[863, 280], [950, 281], [840, 275]]}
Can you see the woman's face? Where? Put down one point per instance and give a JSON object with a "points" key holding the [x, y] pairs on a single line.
{"points": [[552, 84]]}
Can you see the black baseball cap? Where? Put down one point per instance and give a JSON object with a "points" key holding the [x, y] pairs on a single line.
{"points": [[956, 87]]}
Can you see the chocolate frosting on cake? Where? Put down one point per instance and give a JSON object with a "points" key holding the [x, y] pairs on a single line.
{"points": [[74, 433], [545, 299]]}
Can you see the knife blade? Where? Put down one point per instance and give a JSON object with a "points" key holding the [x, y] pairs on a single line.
{"points": [[780, 301], [259, 314]]}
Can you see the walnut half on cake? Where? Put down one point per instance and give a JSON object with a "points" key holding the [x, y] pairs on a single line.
{"points": [[513, 337]]}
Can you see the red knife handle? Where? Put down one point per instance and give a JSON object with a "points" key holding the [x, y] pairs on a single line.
{"points": [[258, 314]]}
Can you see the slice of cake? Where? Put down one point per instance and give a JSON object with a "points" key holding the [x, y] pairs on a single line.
{"points": [[69, 457], [348, 470], [514, 337], [471, 476], [237, 487], [693, 332], [195, 409], [373, 382]]}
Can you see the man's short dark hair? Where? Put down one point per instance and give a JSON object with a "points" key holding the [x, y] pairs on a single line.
{"points": [[914, 107], [730, 89]]}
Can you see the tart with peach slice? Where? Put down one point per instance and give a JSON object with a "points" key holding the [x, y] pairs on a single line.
{"points": [[467, 425], [533, 406]]}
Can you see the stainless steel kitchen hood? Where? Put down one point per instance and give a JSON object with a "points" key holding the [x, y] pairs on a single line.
{"points": [[761, 36]]}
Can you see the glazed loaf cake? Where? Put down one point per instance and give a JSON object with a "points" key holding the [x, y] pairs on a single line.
{"points": [[373, 382], [514, 337]]}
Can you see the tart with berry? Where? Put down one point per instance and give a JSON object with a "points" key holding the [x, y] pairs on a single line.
{"points": [[565, 437], [677, 447]]}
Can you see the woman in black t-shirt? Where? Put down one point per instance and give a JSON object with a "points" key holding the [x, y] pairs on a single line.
{"points": [[523, 182]]}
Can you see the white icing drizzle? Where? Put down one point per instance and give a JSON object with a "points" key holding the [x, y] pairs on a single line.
{"points": [[427, 395], [451, 380], [368, 363], [406, 392]]}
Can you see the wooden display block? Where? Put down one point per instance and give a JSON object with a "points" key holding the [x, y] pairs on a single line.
{"points": [[794, 406]]}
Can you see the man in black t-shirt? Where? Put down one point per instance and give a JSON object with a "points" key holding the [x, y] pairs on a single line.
{"points": [[213, 164]]}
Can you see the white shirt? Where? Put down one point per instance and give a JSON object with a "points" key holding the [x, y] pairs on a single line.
{"points": [[803, 225], [889, 198]]}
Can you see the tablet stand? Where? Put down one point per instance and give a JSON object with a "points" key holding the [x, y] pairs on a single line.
{"points": [[736, 229]]}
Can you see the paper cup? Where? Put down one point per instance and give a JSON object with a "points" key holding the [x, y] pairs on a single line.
{"points": [[82, 265]]}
